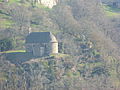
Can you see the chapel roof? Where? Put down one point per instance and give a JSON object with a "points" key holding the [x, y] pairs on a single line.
{"points": [[40, 37]]}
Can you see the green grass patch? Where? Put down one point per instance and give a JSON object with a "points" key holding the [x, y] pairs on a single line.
{"points": [[43, 7], [110, 11], [14, 1], [3, 15], [34, 25], [13, 51], [5, 23]]}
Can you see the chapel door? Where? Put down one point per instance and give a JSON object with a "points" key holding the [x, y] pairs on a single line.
{"points": [[36, 50], [42, 51]]}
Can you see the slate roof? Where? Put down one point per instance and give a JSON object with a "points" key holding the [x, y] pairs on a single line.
{"points": [[110, 1], [40, 37]]}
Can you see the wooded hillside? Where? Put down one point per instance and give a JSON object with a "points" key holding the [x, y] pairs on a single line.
{"points": [[89, 46]]}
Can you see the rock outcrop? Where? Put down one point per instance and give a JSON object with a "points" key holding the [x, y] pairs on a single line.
{"points": [[49, 3]]}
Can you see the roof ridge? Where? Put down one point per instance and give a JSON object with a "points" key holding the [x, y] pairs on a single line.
{"points": [[40, 37]]}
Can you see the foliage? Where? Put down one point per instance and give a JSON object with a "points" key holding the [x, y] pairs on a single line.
{"points": [[6, 44], [89, 46]]}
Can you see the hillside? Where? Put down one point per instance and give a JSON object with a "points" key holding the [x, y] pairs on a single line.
{"points": [[89, 45]]}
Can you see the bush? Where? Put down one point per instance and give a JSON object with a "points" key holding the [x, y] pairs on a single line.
{"points": [[99, 71], [6, 44]]}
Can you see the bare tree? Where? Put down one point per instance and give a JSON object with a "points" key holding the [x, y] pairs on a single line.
{"points": [[21, 17]]}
